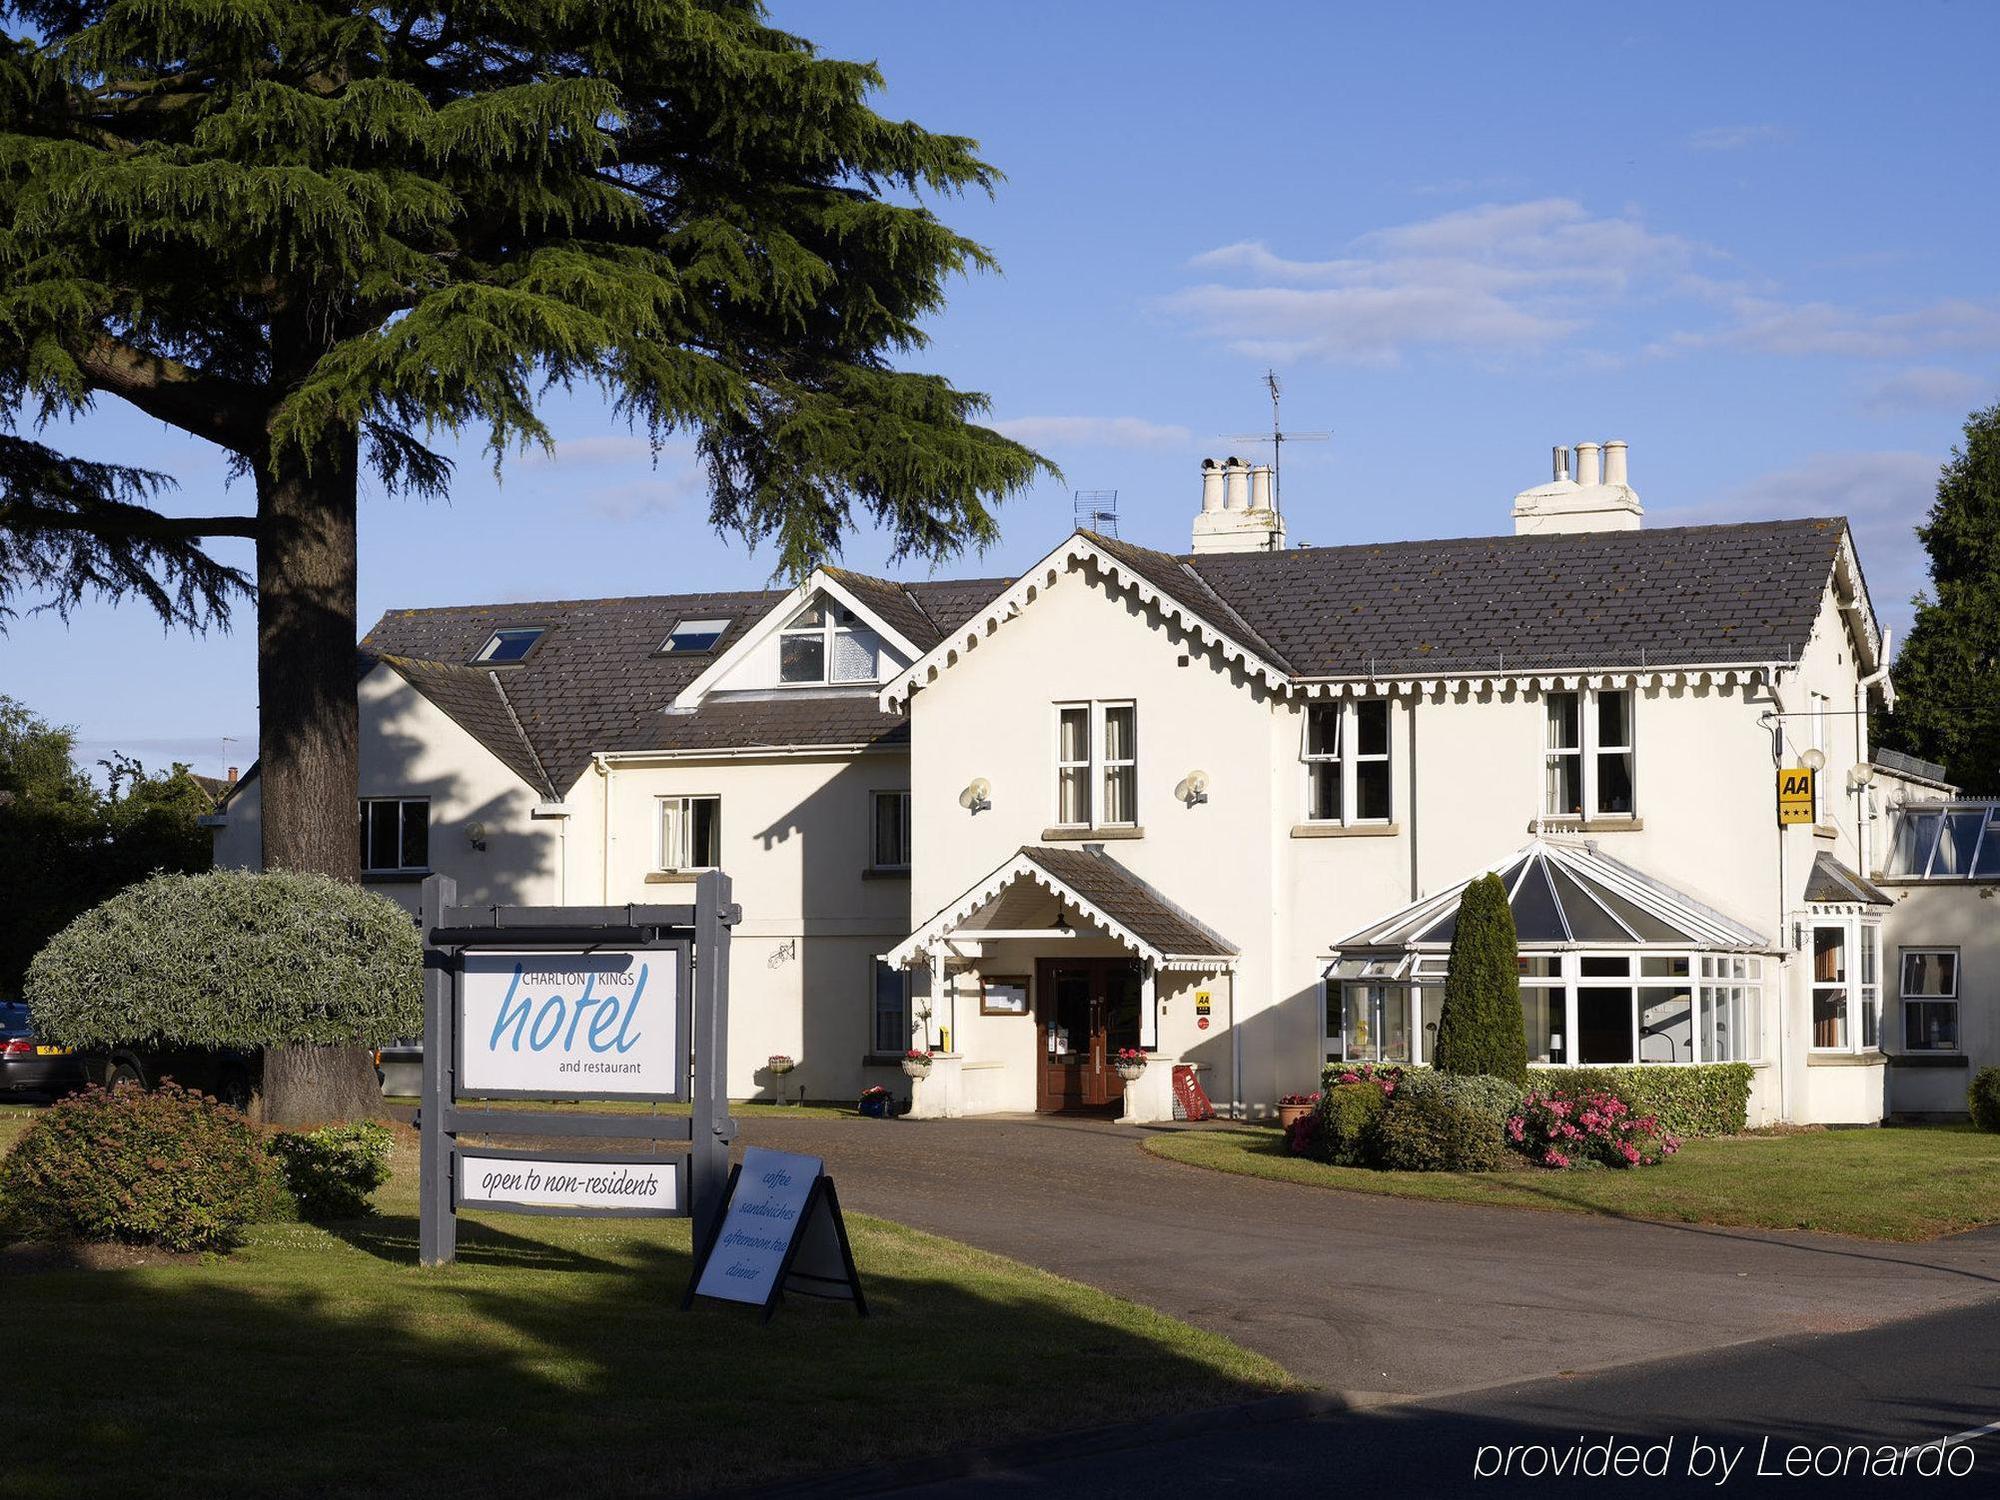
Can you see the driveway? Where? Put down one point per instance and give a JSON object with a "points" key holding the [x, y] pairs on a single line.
{"points": [[1372, 1298]]}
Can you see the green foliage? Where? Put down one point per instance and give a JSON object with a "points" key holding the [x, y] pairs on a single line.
{"points": [[165, 1167], [1704, 1099], [1348, 1116], [69, 846], [1983, 1099], [1439, 1122], [1948, 671], [331, 1171], [1480, 1030], [232, 959]]}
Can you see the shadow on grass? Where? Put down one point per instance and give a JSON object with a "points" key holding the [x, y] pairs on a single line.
{"points": [[555, 1360]]}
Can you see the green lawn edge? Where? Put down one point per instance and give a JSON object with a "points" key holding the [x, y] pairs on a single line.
{"points": [[1903, 1183]]}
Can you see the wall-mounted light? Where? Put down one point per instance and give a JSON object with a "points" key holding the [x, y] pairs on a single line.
{"points": [[977, 796], [475, 835], [1814, 759], [1192, 788], [1859, 777]]}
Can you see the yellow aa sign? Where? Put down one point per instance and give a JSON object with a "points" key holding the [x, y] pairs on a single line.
{"points": [[1796, 802]]}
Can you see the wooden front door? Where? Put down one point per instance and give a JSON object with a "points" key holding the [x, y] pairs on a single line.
{"points": [[1085, 1010]]}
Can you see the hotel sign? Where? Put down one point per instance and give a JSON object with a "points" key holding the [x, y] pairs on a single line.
{"points": [[594, 1025], [1797, 796]]}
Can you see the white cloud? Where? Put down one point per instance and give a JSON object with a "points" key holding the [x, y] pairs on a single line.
{"points": [[1883, 494], [1816, 329], [1093, 432], [601, 448], [1499, 278], [1929, 388], [1739, 137]]}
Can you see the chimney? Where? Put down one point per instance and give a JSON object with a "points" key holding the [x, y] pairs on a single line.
{"points": [[1236, 513], [231, 778], [1600, 498]]}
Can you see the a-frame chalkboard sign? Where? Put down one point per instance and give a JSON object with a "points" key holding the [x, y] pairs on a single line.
{"points": [[780, 1231]]}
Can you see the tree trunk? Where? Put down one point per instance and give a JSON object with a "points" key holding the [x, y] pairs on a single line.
{"points": [[308, 723]]}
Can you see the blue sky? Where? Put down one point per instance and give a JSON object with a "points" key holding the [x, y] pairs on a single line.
{"points": [[1756, 242]]}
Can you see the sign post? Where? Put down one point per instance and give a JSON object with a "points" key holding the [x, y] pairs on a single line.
{"points": [[573, 1004]]}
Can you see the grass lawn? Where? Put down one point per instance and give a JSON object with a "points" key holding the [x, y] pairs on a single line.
{"points": [[552, 1359], [1901, 1182]]}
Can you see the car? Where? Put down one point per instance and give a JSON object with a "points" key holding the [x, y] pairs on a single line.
{"points": [[29, 1065], [222, 1073]]}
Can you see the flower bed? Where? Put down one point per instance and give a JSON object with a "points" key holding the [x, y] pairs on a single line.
{"points": [[1586, 1127]]}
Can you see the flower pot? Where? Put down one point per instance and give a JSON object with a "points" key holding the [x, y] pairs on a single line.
{"points": [[1290, 1114], [875, 1109], [916, 1070], [1131, 1072]]}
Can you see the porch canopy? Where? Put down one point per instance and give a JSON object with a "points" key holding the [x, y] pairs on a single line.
{"points": [[1615, 966], [1038, 893]]}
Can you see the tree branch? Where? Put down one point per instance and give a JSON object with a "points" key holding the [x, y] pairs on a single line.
{"points": [[204, 405], [125, 521]]}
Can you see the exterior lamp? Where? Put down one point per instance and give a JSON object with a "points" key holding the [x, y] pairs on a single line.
{"points": [[977, 796], [1062, 921], [475, 835], [1193, 788], [1814, 759]]}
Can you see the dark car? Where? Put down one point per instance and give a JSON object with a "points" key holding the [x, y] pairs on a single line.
{"points": [[227, 1075], [29, 1065]]}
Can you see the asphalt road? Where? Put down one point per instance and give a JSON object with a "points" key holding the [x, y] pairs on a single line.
{"points": [[1370, 1298]]}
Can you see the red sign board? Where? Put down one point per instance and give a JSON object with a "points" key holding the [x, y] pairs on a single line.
{"points": [[1190, 1102]]}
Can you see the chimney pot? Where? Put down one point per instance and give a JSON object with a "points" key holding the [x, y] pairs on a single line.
{"points": [[1211, 485], [1236, 491], [232, 776], [1614, 463], [1560, 456], [1260, 487], [1587, 471]]}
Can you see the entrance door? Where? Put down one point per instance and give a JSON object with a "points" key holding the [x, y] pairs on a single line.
{"points": [[1085, 1009]]}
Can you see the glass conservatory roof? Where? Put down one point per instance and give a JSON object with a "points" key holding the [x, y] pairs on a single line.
{"points": [[1946, 841], [1566, 895]]}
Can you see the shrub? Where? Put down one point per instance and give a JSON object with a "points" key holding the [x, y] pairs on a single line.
{"points": [[1346, 1121], [1982, 1099], [1706, 1099], [169, 1168], [1575, 1127], [331, 1171], [1385, 1076], [1439, 1123], [1479, 1025]]}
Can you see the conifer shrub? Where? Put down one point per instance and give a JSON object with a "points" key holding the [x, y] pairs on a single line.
{"points": [[1480, 1031], [331, 1172], [165, 1167], [1982, 1099]]}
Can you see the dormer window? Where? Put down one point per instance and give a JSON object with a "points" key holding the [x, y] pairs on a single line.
{"points": [[825, 643], [505, 647], [692, 637]]}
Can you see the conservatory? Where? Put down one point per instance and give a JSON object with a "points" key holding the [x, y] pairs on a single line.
{"points": [[1615, 967]]}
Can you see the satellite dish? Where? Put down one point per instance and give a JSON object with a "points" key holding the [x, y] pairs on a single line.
{"points": [[978, 796]]}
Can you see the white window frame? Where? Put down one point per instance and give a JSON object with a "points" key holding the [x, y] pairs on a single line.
{"points": [[875, 801], [1905, 999], [369, 867], [1347, 753], [1588, 747], [830, 628], [674, 862], [1095, 764], [1863, 993]]}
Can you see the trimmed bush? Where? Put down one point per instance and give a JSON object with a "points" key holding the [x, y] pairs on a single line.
{"points": [[1705, 1099], [330, 1172], [1480, 1032], [1982, 1099], [167, 1167], [1439, 1123], [1347, 1119]]}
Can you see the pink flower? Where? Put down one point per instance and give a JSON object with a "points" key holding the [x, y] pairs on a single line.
{"points": [[1514, 1129], [1554, 1158]]}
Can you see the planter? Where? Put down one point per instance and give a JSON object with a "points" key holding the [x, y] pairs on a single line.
{"points": [[916, 1070], [1131, 1072], [1290, 1114], [875, 1109]]}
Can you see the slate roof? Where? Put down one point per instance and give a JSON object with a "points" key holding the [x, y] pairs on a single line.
{"points": [[1674, 596], [1831, 883], [1130, 902], [597, 681]]}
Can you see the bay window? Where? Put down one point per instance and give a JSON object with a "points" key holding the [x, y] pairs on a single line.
{"points": [[1928, 986], [1846, 984], [1347, 762], [1588, 754], [1097, 765]]}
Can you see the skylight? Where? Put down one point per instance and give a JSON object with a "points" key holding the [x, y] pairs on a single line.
{"points": [[690, 637], [505, 647]]}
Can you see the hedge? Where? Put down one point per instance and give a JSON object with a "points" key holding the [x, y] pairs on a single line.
{"points": [[1348, 1115], [1982, 1099], [1441, 1122], [1700, 1099]]}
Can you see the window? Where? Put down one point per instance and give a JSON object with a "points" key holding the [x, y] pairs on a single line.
{"points": [[1346, 756], [505, 647], [1375, 1023], [1544, 1006], [1097, 765], [892, 831], [1588, 749], [892, 1010], [1829, 980], [1946, 841], [1930, 999], [395, 834], [690, 833], [692, 637], [825, 643], [1731, 985], [1846, 984]]}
